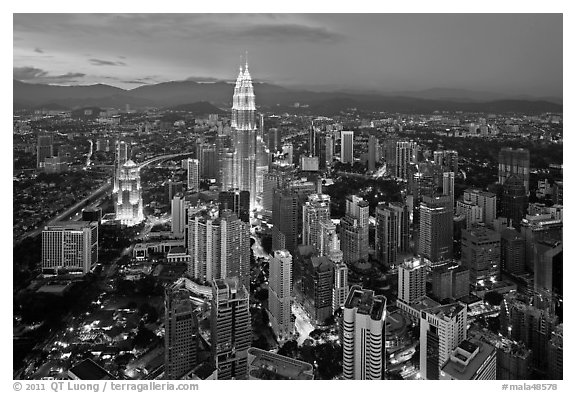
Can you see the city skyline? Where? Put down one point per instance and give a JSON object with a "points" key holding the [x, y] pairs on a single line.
{"points": [[488, 54]]}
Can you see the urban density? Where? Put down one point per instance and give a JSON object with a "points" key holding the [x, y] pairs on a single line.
{"points": [[260, 234]]}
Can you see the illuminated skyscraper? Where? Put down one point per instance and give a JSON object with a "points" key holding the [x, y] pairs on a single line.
{"points": [[193, 173], [354, 235], [244, 130], [436, 228], [120, 160], [316, 210], [280, 293], [514, 162], [347, 147], [44, 149], [129, 209]]}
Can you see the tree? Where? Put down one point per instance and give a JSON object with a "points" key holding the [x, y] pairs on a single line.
{"points": [[493, 298]]}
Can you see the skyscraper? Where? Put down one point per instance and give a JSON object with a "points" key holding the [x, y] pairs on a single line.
{"points": [[347, 147], [129, 209], [404, 152], [513, 252], [481, 254], [178, 211], [237, 201], [486, 200], [514, 200], [448, 185], [317, 285], [354, 234], [44, 149], [314, 211], [411, 280], [436, 228], [280, 293], [372, 144], [285, 220], [181, 332], [193, 174], [231, 330], [244, 130], [442, 328], [70, 247], [391, 232], [448, 159], [363, 342], [514, 162]]}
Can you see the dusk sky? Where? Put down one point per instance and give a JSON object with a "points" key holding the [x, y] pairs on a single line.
{"points": [[502, 53]]}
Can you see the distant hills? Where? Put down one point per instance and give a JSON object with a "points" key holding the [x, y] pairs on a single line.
{"points": [[201, 98]]}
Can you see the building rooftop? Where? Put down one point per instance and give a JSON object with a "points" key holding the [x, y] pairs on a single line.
{"points": [[271, 366], [366, 302], [467, 359], [88, 369], [447, 311], [424, 303]]}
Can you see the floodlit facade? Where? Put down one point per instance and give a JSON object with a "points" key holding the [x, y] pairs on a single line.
{"points": [[129, 209], [280, 293]]}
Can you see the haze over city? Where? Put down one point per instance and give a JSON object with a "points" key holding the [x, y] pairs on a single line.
{"points": [[506, 54]]}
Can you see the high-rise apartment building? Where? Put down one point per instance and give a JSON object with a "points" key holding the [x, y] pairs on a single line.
{"points": [[347, 147], [363, 335], [181, 332], [436, 228], [219, 248], [404, 154], [513, 251], [70, 247], [193, 174], [372, 144], [514, 200], [178, 212], [411, 280], [514, 162], [231, 329], [442, 328], [354, 231], [485, 200], [280, 293], [472, 212], [481, 254], [392, 231], [314, 211], [448, 185], [448, 159]]}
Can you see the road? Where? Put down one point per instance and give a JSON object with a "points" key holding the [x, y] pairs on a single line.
{"points": [[162, 158], [70, 211], [302, 323]]}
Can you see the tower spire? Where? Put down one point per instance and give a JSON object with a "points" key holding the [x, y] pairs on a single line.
{"points": [[246, 56]]}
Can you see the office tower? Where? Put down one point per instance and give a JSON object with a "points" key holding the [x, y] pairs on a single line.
{"points": [[237, 201], [271, 181], [314, 211], [193, 174], [181, 332], [555, 354], [230, 327], [320, 150], [481, 254], [404, 152], [264, 365], [92, 214], [274, 140], [280, 293], [244, 130], [448, 159], [450, 281], [548, 261], [448, 185], [514, 200], [363, 342], [472, 212], [442, 328], [226, 168], [54, 165], [347, 147], [329, 145], [513, 252], [285, 220], [535, 229], [178, 212], [120, 159], [392, 231], [411, 280], [129, 209], [311, 140], [328, 241], [485, 200], [219, 248], [436, 228], [514, 162], [207, 155], [288, 151], [70, 246], [354, 231], [522, 321], [317, 286], [44, 149], [471, 360], [173, 188], [558, 193], [372, 143]]}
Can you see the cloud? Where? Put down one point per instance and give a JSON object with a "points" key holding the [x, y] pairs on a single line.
{"points": [[282, 33], [33, 74], [38, 50], [203, 79], [136, 82], [100, 62]]}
